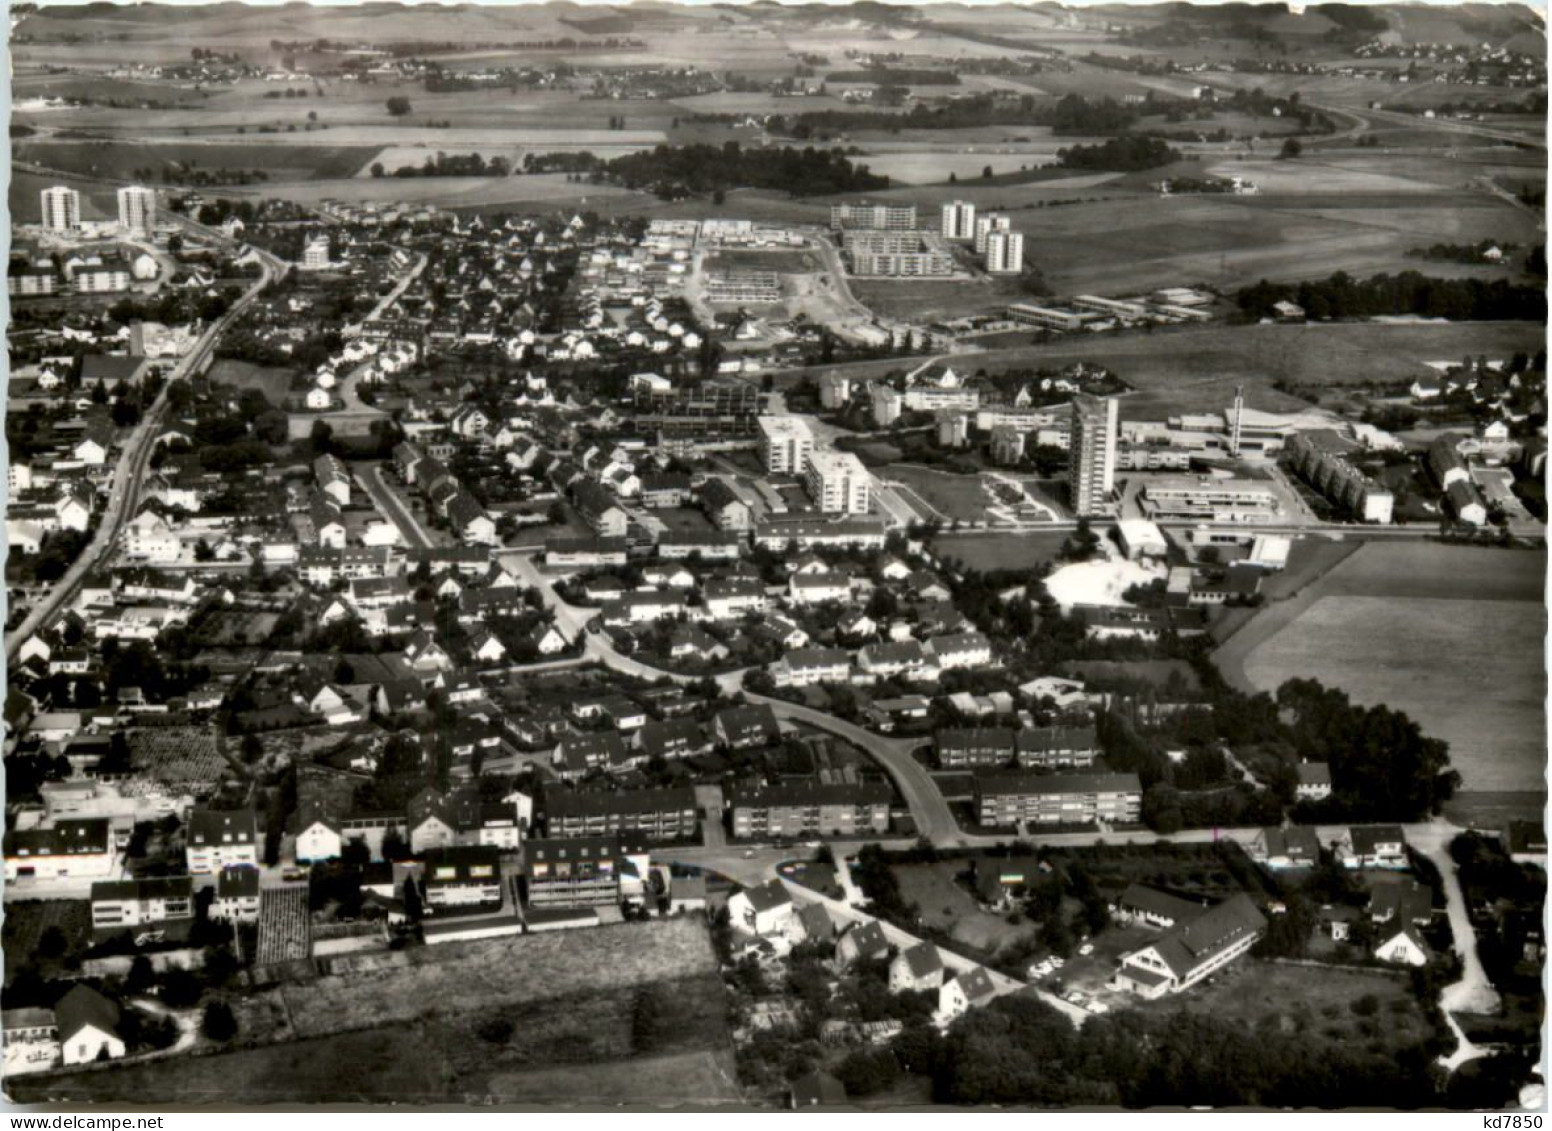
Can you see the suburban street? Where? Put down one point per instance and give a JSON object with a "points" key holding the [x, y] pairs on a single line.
{"points": [[386, 498]]}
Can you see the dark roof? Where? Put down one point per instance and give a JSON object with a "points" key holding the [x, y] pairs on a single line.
{"points": [[206, 826], [562, 803], [1159, 903], [1021, 785], [152, 887], [923, 959], [756, 795], [868, 939], [817, 1089], [1189, 946], [1366, 838], [82, 1007], [768, 896], [237, 883]]}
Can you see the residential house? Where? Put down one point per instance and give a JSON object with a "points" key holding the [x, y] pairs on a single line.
{"points": [[73, 849], [918, 968], [765, 910], [88, 1027], [1314, 782], [862, 942], [237, 896], [582, 871], [1374, 846], [803, 667], [1296, 846], [221, 839], [964, 992], [148, 908], [809, 808], [463, 877], [658, 814], [743, 728]]}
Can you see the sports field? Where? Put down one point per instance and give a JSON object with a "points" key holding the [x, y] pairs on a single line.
{"points": [[1451, 635]]}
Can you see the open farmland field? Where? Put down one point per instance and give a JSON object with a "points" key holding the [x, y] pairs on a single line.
{"points": [[118, 159], [935, 167], [1168, 367], [548, 190], [98, 200], [452, 1023], [703, 1077], [414, 156], [533, 1051], [1227, 242], [1451, 635], [925, 300], [380, 989]]}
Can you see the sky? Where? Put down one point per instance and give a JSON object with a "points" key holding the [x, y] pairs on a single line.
{"points": [[1539, 8]]}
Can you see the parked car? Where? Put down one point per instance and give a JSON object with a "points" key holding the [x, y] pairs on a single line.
{"points": [[1098, 1007], [1074, 998], [1086, 949]]}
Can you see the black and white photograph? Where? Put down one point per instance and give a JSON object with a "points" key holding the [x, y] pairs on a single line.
{"points": [[846, 557]]}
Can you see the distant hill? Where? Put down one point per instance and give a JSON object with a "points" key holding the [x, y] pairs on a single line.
{"points": [[1514, 25]]}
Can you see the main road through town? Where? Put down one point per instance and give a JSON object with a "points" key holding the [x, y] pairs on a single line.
{"points": [[129, 474]]}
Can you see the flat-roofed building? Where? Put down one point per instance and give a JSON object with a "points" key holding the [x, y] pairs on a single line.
{"points": [[838, 483], [787, 442], [876, 217], [1006, 800], [1190, 498], [1092, 454]]}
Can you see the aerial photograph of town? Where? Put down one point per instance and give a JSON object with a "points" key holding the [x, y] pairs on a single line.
{"points": [[776, 555]]}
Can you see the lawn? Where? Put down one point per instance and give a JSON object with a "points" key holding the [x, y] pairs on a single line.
{"points": [[505, 1036], [25, 922], [272, 380], [1451, 635], [1000, 551], [1309, 999], [947, 905], [794, 262], [955, 497]]}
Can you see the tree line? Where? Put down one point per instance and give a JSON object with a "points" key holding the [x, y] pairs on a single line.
{"points": [[696, 170], [1341, 296]]}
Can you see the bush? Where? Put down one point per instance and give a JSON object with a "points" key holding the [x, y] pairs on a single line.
{"points": [[496, 1031], [1366, 1006], [219, 1024]]}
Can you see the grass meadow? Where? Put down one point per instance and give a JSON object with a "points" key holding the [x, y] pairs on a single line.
{"points": [[1451, 635]]}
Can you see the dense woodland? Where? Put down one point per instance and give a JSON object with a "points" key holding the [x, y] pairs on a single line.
{"points": [[1341, 296], [694, 170]]}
